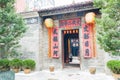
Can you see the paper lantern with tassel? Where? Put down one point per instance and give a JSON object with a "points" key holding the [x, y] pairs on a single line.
{"points": [[90, 18], [49, 24]]}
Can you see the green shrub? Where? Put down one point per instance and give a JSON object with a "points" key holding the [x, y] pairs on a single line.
{"points": [[4, 65], [16, 63], [114, 66], [28, 64]]}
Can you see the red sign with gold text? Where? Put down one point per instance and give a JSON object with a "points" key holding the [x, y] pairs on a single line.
{"points": [[87, 38], [54, 43], [70, 23]]}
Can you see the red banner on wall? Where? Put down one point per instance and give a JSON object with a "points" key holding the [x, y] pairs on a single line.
{"points": [[54, 43], [70, 23], [87, 41]]}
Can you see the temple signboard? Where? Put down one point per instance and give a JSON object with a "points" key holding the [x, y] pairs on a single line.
{"points": [[70, 23]]}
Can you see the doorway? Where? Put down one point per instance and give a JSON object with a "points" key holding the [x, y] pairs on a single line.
{"points": [[71, 52]]}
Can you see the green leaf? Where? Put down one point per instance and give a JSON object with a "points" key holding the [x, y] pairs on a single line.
{"points": [[108, 32], [12, 26]]}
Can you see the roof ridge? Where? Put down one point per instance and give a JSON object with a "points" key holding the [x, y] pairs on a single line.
{"points": [[67, 6]]}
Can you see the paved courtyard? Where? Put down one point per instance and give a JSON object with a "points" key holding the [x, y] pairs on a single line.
{"points": [[66, 74]]}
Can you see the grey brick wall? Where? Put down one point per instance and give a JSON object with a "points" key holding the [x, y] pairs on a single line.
{"points": [[30, 42]]}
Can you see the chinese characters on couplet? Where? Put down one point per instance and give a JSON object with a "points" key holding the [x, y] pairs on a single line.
{"points": [[55, 49], [86, 41]]}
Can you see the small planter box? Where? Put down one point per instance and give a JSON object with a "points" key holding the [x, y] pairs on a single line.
{"points": [[116, 76]]}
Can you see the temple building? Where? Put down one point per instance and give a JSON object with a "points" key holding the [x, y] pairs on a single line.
{"points": [[61, 37]]}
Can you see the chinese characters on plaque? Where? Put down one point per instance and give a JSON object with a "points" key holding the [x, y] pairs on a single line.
{"points": [[87, 41], [55, 49], [69, 23]]}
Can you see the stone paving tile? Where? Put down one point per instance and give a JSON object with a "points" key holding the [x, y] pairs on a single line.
{"points": [[63, 75]]}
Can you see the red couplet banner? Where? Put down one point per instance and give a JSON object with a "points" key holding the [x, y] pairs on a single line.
{"points": [[54, 43], [70, 23], [87, 41]]}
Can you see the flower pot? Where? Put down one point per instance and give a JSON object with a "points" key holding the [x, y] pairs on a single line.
{"points": [[27, 71], [92, 70], [116, 76], [16, 70], [51, 68]]}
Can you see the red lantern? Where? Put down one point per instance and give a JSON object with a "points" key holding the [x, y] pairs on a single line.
{"points": [[49, 23], [67, 31], [64, 32], [70, 31], [73, 31], [90, 18], [76, 31]]}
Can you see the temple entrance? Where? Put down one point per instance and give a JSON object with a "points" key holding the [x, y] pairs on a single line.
{"points": [[71, 52]]}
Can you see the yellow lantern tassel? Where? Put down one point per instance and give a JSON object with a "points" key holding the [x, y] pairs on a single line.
{"points": [[49, 42], [94, 40]]}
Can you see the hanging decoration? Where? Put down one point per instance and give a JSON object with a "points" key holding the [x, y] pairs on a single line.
{"points": [[76, 31], [70, 32], [64, 32], [49, 25], [88, 29], [73, 31], [67, 31], [55, 43], [86, 41], [93, 32], [90, 18]]}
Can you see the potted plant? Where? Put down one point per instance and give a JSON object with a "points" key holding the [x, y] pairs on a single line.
{"points": [[15, 64], [28, 65], [114, 66], [4, 65]]}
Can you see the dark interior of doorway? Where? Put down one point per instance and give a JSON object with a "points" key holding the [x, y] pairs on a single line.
{"points": [[71, 48]]}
